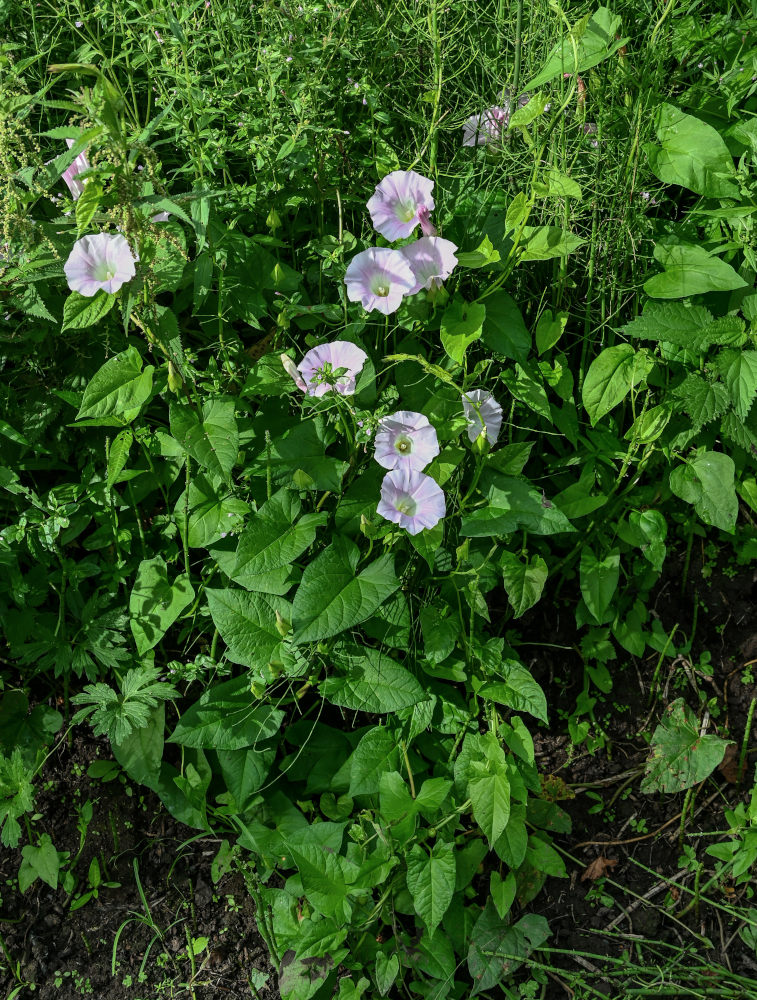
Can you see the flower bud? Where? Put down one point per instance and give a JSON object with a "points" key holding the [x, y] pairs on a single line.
{"points": [[175, 381], [282, 625], [273, 221]]}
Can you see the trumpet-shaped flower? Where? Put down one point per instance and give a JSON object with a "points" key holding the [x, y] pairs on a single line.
{"points": [[405, 440], [400, 202], [291, 369], [99, 261], [70, 174], [432, 260], [379, 278], [331, 366], [411, 500], [483, 413], [486, 127]]}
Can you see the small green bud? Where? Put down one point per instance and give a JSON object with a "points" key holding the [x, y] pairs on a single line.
{"points": [[273, 221], [175, 381], [282, 625]]}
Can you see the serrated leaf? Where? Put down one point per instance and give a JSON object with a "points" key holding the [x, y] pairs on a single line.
{"points": [[431, 882], [741, 379], [332, 598], [703, 400], [87, 204], [81, 311], [370, 681], [680, 757], [689, 327]]}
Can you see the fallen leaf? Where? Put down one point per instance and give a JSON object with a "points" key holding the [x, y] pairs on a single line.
{"points": [[598, 867], [729, 767]]}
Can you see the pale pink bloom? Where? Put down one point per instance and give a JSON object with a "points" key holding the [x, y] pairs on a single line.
{"points": [[400, 202], [99, 261], [161, 217], [486, 127], [379, 278], [405, 440], [291, 369], [411, 500], [483, 413], [432, 260], [70, 175], [332, 366]]}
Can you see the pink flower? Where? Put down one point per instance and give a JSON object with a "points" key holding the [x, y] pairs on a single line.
{"points": [[291, 369], [411, 500], [486, 127], [432, 260], [405, 440], [483, 413], [70, 175], [398, 203], [379, 278], [161, 217], [99, 261], [332, 366]]}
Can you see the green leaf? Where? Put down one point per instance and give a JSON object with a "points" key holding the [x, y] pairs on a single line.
{"points": [[212, 439], [245, 771], [118, 455], [87, 204], [502, 892], [461, 325], [376, 753], [504, 330], [489, 792], [691, 153], [213, 511], [549, 329], [741, 379], [155, 603], [599, 581], [595, 39], [227, 716], [140, 753], [518, 691], [690, 327], [483, 256], [387, 969], [527, 385], [323, 878], [275, 537], [497, 949], [690, 270], [559, 185], [524, 580], [119, 387], [370, 681], [703, 400], [546, 242], [680, 757], [513, 504], [707, 482], [81, 311], [431, 882], [611, 376], [41, 861], [333, 597], [247, 624]]}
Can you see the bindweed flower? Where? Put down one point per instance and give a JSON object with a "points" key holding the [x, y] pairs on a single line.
{"points": [[161, 217], [411, 500], [332, 366], [432, 260], [291, 369], [485, 127], [405, 440], [70, 175], [483, 413], [379, 278], [99, 261], [401, 201]]}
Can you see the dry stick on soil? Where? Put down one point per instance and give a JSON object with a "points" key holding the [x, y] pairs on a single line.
{"points": [[649, 894]]}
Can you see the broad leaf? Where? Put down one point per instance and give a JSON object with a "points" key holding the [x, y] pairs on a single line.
{"points": [[513, 504], [524, 580], [81, 311], [333, 597], [210, 437], [596, 39], [680, 757], [370, 681], [599, 580], [489, 792], [690, 270], [247, 623], [707, 482], [693, 154], [376, 753], [155, 603], [518, 691], [274, 537], [461, 324], [504, 330], [119, 388], [227, 716], [611, 376], [431, 881]]}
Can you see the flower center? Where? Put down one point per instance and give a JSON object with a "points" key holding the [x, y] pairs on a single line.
{"points": [[407, 506], [103, 271], [406, 211], [380, 286], [403, 444]]}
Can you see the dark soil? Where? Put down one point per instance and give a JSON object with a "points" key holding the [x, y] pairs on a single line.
{"points": [[627, 849], [617, 854], [70, 954]]}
